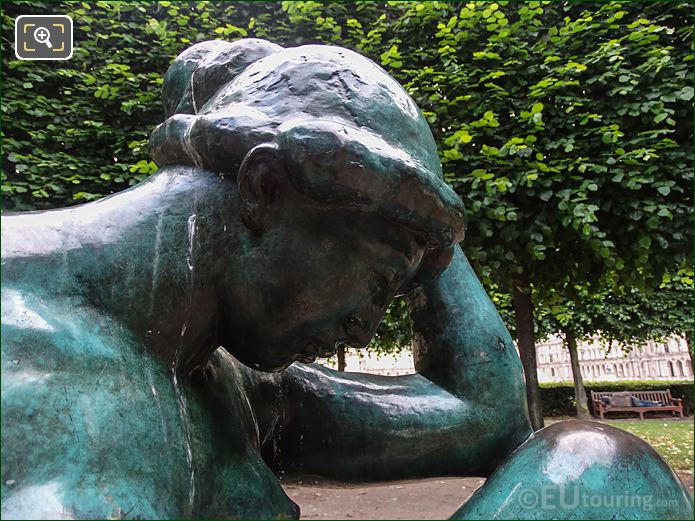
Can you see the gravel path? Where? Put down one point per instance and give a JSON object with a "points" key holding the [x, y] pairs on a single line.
{"points": [[435, 498]]}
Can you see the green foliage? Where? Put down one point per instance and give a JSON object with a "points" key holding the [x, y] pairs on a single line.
{"points": [[558, 398], [566, 127], [628, 317], [558, 127], [394, 333], [77, 130]]}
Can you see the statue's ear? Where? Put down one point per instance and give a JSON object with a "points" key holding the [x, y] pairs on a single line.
{"points": [[260, 180]]}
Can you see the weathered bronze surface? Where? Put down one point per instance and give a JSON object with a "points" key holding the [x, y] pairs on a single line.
{"points": [[300, 190]]}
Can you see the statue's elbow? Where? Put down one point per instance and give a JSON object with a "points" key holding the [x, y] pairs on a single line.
{"points": [[508, 429]]}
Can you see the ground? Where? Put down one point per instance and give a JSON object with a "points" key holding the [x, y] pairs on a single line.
{"points": [[438, 498], [435, 498], [672, 439]]}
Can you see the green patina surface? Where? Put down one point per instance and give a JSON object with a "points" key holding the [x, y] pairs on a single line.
{"points": [[300, 191], [581, 470]]}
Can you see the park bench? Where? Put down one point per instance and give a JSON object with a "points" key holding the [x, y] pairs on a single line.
{"points": [[674, 405]]}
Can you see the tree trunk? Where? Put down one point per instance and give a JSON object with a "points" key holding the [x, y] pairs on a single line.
{"points": [[341, 357], [579, 391], [689, 342], [523, 314]]}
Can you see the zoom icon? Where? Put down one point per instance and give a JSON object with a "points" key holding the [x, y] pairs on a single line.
{"points": [[43, 37]]}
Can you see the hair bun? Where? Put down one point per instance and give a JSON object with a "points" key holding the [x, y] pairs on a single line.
{"points": [[346, 132], [200, 71]]}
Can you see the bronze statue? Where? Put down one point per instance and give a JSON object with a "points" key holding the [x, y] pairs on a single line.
{"points": [[299, 191]]}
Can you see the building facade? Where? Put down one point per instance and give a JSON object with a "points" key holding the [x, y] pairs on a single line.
{"points": [[667, 360], [357, 361]]}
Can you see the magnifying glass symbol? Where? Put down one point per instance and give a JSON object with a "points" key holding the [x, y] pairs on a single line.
{"points": [[43, 35]]}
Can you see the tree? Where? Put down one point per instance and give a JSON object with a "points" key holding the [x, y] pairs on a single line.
{"points": [[579, 391], [568, 309], [627, 318], [559, 125], [652, 315]]}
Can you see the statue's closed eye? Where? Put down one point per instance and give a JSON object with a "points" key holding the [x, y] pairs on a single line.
{"points": [[354, 327], [381, 287], [354, 320]]}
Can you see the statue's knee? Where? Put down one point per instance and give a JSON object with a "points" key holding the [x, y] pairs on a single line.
{"points": [[581, 470]]}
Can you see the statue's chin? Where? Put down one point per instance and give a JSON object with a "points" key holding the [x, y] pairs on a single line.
{"points": [[260, 363]]}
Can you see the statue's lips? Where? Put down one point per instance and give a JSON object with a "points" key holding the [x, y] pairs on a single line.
{"points": [[315, 347]]}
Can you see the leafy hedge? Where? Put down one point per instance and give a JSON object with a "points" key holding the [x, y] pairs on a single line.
{"points": [[558, 398]]}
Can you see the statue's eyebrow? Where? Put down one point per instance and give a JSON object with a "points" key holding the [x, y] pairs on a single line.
{"points": [[400, 243], [381, 280]]}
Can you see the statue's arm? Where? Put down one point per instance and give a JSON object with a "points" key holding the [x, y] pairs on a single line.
{"points": [[462, 414], [461, 343]]}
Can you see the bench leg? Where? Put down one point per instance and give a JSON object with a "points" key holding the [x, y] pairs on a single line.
{"points": [[641, 415]]}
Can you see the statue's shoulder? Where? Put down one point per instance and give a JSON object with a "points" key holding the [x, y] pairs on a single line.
{"points": [[45, 329], [87, 412], [53, 345], [81, 408]]}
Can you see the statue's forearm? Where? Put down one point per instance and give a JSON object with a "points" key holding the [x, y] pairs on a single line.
{"points": [[369, 427], [461, 343]]}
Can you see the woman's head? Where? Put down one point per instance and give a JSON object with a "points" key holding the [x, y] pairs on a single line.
{"points": [[357, 165], [348, 132]]}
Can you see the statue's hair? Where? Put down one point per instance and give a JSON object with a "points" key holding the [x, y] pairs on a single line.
{"points": [[348, 134]]}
